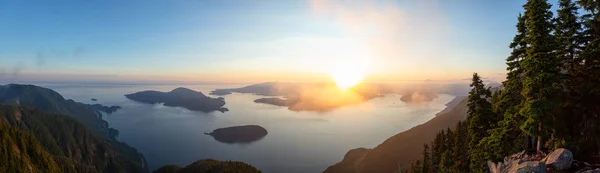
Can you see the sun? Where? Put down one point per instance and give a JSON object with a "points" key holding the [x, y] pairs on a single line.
{"points": [[349, 73], [347, 62], [346, 78]]}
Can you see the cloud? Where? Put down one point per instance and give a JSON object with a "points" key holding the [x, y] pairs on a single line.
{"points": [[42, 56], [405, 35], [13, 74]]}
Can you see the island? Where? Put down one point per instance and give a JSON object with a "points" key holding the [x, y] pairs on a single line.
{"points": [[181, 97], [239, 134], [264, 89], [320, 97], [275, 101], [93, 99], [418, 97], [107, 109]]}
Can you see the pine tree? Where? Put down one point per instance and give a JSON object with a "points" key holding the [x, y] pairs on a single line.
{"points": [[416, 168], [480, 119], [588, 78], [570, 41], [437, 150], [426, 159], [460, 150], [540, 69], [568, 34], [507, 102]]}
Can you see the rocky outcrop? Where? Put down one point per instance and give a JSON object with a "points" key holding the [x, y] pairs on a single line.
{"points": [[527, 167], [589, 170], [560, 159], [517, 166]]}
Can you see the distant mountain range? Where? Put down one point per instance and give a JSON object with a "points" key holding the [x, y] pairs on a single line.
{"points": [[181, 97]]}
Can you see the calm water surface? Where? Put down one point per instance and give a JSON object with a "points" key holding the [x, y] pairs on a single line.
{"points": [[302, 142]]}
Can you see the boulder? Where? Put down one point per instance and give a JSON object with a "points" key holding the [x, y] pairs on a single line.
{"points": [[525, 167], [495, 168], [589, 170], [560, 159], [531, 167]]}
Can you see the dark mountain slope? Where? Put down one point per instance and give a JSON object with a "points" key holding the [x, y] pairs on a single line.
{"points": [[21, 152], [210, 166], [72, 145], [50, 101], [401, 148]]}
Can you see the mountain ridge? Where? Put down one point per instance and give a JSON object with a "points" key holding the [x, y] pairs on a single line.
{"points": [[400, 149]]}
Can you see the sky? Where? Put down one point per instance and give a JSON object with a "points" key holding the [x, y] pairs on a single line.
{"points": [[253, 41]]}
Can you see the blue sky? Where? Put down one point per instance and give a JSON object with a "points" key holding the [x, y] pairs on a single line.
{"points": [[252, 41]]}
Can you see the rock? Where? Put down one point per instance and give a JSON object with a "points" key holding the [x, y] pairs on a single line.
{"points": [[529, 167], [493, 167], [589, 170], [559, 159], [518, 166]]}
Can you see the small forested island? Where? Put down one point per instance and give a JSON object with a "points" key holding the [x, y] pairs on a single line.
{"points": [[275, 101], [210, 166], [181, 97], [418, 97], [239, 134], [264, 89], [93, 99], [107, 109]]}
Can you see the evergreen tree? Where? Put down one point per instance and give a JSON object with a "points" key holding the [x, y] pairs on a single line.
{"points": [[568, 34], [569, 37], [507, 102], [480, 119], [460, 151], [426, 159], [416, 167], [540, 69], [447, 161], [588, 78], [437, 150]]}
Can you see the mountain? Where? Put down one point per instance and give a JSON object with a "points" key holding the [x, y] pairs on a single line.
{"points": [[210, 166], [21, 152], [72, 146], [181, 97], [401, 148], [50, 101]]}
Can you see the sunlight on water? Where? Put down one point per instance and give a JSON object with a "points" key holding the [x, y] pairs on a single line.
{"points": [[298, 141]]}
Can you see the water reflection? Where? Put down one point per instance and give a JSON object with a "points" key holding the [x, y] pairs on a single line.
{"points": [[303, 142]]}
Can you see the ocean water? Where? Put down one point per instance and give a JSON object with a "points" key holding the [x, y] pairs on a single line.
{"points": [[298, 142]]}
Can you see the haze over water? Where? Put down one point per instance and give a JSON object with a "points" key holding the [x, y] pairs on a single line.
{"points": [[304, 141]]}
